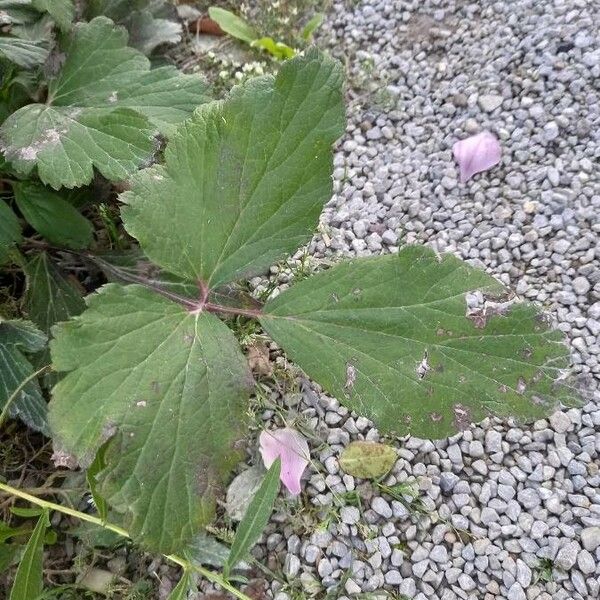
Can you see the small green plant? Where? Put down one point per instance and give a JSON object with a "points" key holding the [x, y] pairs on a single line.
{"points": [[243, 31], [407, 493], [391, 337], [544, 571], [150, 385]]}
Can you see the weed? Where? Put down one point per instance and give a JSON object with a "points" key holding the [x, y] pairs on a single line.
{"points": [[544, 571], [406, 493]]}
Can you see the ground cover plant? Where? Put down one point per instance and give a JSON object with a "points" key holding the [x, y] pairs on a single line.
{"points": [[149, 386]]}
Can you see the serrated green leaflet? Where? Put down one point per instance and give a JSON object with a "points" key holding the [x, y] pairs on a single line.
{"points": [[389, 337], [25, 53], [62, 11], [67, 143], [245, 180], [52, 216], [168, 388], [10, 231], [28, 582], [23, 334], [50, 297], [16, 338], [256, 517], [103, 111], [102, 72]]}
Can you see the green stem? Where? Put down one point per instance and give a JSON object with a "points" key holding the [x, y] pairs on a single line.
{"points": [[15, 394], [182, 562]]}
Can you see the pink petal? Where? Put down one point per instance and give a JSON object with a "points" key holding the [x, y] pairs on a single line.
{"points": [[476, 154], [293, 450]]}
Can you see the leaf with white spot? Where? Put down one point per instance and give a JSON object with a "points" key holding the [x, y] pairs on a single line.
{"points": [[25, 53], [206, 550], [17, 12], [103, 111]]}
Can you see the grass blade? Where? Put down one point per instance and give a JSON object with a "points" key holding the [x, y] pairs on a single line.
{"points": [[256, 517], [28, 583], [180, 591]]}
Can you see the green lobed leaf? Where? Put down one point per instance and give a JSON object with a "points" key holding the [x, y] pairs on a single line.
{"points": [[66, 144], [10, 231], [232, 24], [245, 180], [368, 460], [103, 110], [28, 583], [62, 11], [151, 23], [24, 53], [113, 75], [167, 388], [256, 517], [389, 337], [17, 337], [52, 216]]}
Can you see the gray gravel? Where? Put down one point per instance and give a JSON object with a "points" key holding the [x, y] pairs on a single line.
{"points": [[503, 511]]}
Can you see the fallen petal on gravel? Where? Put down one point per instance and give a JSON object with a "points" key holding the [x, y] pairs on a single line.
{"points": [[476, 154], [291, 446]]}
